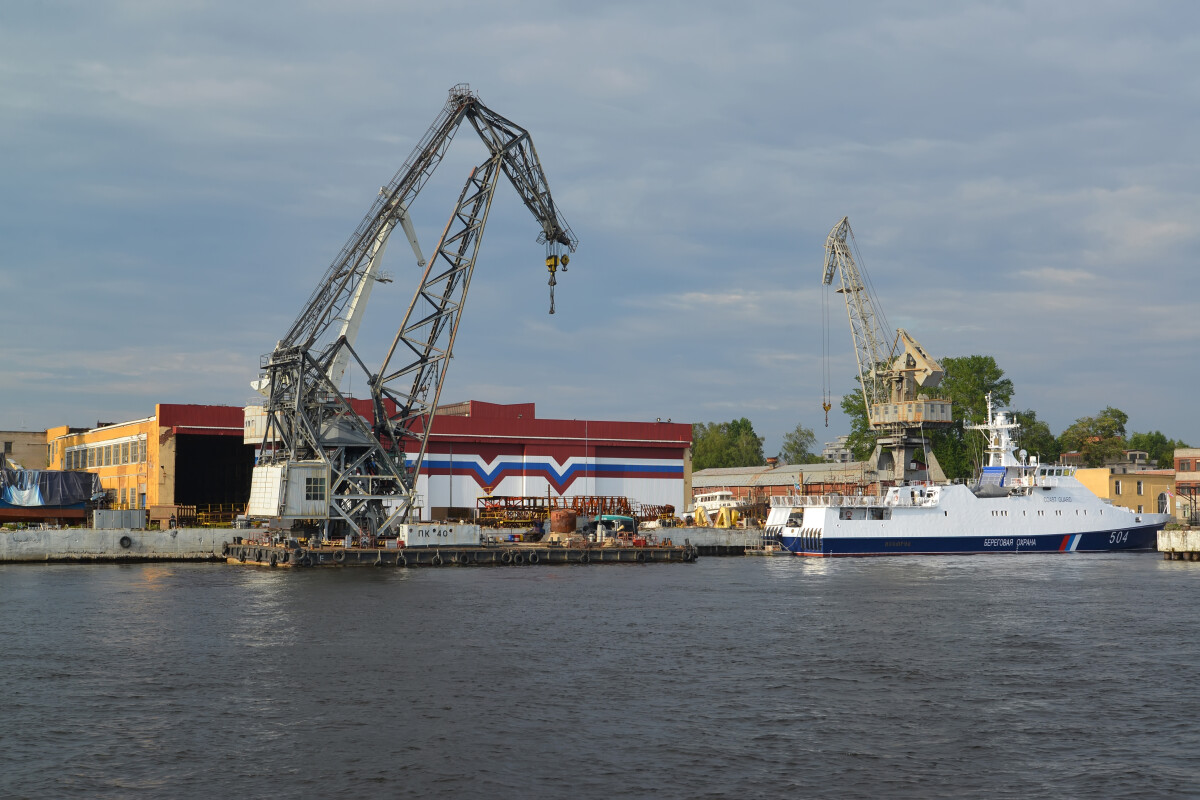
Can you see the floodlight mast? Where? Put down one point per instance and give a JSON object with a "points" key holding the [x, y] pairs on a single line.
{"points": [[321, 461]]}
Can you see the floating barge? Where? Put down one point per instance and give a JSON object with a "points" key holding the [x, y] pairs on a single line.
{"points": [[507, 555]]}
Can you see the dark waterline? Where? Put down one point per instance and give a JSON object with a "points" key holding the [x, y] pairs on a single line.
{"points": [[984, 676]]}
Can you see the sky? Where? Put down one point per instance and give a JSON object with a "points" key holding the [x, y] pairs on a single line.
{"points": [[1021, 179]]}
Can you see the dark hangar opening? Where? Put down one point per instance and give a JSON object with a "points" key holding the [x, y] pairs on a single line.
{"points": [[211, 470]]}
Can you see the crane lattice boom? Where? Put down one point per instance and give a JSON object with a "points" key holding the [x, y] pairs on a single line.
{"points": [[322, 460]]}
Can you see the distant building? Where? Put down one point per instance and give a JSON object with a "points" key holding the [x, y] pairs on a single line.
{"points": [[837, 451], [1187, 482], [758, 484], [1149, 491], [23, 449], [1130, 461]]}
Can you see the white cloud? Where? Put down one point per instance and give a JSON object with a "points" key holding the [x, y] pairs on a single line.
{"points": [[178, 175]]}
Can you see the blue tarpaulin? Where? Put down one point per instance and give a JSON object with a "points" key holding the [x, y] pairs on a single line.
{"points": [[30, 488]]}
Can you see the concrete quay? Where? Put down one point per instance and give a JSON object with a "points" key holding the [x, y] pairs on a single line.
{"points": [[716, 541], [90, 545], [1180, 545]]}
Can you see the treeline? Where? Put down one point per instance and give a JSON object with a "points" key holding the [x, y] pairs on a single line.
{"points": [[1099, 439], [735, 444]]}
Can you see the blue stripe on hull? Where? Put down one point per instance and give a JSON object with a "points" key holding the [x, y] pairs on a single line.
{"points": [[1141, 538]]}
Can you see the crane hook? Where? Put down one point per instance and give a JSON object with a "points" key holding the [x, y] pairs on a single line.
{"points": [[552, 262], [826, 406]]}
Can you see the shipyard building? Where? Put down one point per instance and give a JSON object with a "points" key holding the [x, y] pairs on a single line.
{"points": [[203, 456]]}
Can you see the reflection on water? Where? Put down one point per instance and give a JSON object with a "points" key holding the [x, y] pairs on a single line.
{"points": [[947, 676]]}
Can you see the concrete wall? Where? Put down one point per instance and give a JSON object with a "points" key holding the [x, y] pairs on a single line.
{"points": [[1185, 541], [85, 544], [713, 537]]}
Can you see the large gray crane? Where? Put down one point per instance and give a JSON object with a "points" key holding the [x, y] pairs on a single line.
{"points": [[889, 376], [323, 462]]}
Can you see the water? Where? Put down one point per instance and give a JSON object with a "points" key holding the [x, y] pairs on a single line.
{"points": [[997, 676]]}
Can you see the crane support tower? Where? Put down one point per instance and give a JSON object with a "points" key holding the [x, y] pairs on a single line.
{"points": [[324, 466], [890, 377]]}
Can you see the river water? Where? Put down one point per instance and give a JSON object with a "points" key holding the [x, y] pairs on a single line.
{"points": [[913, 677]]}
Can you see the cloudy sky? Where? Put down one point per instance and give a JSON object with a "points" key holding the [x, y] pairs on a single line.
{"points": [[1021, 178]]}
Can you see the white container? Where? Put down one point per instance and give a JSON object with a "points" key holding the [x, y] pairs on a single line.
{"points": [[439, 535]]}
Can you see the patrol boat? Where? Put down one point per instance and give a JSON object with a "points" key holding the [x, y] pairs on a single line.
{"points": [[1017, 506]]}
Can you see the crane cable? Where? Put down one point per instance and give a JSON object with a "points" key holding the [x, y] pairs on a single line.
{"points": [[825, 354]]}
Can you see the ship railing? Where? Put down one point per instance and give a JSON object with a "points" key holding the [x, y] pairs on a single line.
{"points": [[927, 500], [906, 501], [827, 500]]}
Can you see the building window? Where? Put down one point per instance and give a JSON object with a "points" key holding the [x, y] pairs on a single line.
{"points": [[1164, 504], [1116, 487], [7, 448], [142, 451], [91, 461], [125, 453], [314, 488], [1140, 488], [1139, 509]]}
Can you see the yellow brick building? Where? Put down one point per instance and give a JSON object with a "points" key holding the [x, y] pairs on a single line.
{"points": [[1149, 491], [184, 454]]}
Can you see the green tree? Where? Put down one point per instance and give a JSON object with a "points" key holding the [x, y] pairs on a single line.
{"points": [[1035, 437], [967, 383], [798, 447], [861, 442], [1160, 448], [1099, 439], [726, 444]]}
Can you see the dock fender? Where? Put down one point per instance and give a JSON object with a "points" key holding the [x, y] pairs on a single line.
{"points": [[299, 553], [518, 559], [126, 542], [506, 557], [533, 557], [273, 560], [477, 556], [585, 557], [401, 561], [339, 556], [305, 560], [437, 559], [641, 556]]}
